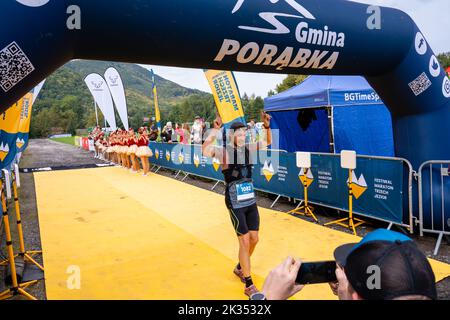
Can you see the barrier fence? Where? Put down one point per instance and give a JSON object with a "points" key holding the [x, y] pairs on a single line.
{"points": [[434, 199], [384, 184]]}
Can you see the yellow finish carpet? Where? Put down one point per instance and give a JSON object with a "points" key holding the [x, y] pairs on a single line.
{"points": [[136, 237]]}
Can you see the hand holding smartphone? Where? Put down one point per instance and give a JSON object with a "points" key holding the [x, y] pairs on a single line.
{"points": [[317, 272]]}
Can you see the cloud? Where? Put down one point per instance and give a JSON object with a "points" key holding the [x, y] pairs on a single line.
{"points": [[431, 16]]}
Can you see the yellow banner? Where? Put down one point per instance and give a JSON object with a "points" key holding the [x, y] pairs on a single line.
{"points": [[25, 115], [157, 113], [226, 96], [10, 120]]}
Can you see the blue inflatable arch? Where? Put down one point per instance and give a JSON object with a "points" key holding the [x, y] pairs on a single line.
{"points": [[284, 36]]}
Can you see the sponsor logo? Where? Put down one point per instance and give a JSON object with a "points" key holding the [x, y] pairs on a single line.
{"points": [[181, 158], [167, 155], [33, 3], [196, 160], [216, 164], [268, 170], [113, 80], [20, 143], [358, 186], [97, 85], [306, 177], [4, 150], [292, 57], [421, 44], [357, 96], [435, 68], [157, 154], [446, 87]]}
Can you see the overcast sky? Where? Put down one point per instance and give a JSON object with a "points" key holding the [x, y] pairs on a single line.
{"points": [[432, 17]]}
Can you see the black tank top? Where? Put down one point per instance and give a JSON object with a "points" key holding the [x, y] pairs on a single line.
{"points": [[239, 167]]}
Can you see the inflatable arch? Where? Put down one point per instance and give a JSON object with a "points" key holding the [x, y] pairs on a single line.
{"points": [[284, 36]]}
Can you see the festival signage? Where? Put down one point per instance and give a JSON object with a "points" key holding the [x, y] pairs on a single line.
{"points": [[378, 183]]}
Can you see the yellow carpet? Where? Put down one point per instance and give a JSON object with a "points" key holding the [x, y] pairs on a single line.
{"points": [[136, 237]]}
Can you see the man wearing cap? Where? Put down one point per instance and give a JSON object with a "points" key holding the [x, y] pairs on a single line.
{"points": [[197, 131], [384, 265], [240, 200]]}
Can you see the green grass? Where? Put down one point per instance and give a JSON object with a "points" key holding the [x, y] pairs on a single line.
{"points": [[67, 140]]}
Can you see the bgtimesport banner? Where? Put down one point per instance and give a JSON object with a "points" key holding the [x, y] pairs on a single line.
{"points": [[9, 128], [155, 98], [102, 96], [378, 184], [25, 120], [226, 95], [117, 90]]}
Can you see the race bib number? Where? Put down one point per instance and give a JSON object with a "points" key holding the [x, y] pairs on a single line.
{"points": [[245, 191]]}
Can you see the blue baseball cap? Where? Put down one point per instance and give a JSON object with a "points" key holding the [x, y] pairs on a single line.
{"points": [[403, 269], [342, 252]]}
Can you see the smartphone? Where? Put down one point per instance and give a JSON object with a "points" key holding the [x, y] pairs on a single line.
{"points": [[317, 272]]}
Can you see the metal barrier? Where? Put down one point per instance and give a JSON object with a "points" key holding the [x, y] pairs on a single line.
{"points": [[411, 173], [438, 193], [393, 212]]}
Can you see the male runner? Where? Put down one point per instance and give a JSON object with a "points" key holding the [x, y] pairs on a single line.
{"points": [[239, 194]]}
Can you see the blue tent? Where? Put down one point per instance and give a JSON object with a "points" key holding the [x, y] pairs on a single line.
{"points": [[330, 114]]}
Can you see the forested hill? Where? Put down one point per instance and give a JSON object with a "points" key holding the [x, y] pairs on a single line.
{"points": [[66, 104]]}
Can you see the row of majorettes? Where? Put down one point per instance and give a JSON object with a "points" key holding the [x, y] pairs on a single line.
{"points": [[124, 148]]}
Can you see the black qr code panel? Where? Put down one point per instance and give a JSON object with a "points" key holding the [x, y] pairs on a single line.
{"points": [[421, 84], [14, 66]]}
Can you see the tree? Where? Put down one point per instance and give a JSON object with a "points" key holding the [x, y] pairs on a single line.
{"points": [[444, 59], [289, 82]]}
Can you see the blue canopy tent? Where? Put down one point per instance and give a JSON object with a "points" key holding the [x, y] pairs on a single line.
{"points": [[330, 114]]}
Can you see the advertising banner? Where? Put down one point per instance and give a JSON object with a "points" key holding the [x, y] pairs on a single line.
{"points": [[155, 98], [10, 143], [377, 183], [117, 90], [100, 91], [25, 119], [226, 95]]}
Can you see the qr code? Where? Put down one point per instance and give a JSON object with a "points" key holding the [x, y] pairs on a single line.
{"points": [[14, 66], [421, 84]]}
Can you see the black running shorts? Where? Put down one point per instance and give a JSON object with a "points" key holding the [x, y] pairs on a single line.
{"points": [[245, 219]]}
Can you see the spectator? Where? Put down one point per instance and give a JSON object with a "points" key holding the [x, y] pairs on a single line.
{"points": [[251, 130], [197, 131], [404, 271], [168, 134], [186, 133], [154, 132]]}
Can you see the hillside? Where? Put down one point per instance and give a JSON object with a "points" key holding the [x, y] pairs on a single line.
{"points": [[65, 101]]}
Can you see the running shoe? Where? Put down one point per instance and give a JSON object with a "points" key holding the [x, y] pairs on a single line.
{"points": [[251, 290], [239, 273]]}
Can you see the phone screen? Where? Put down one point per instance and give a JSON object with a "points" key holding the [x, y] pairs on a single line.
{"points": [[317, 272]]}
